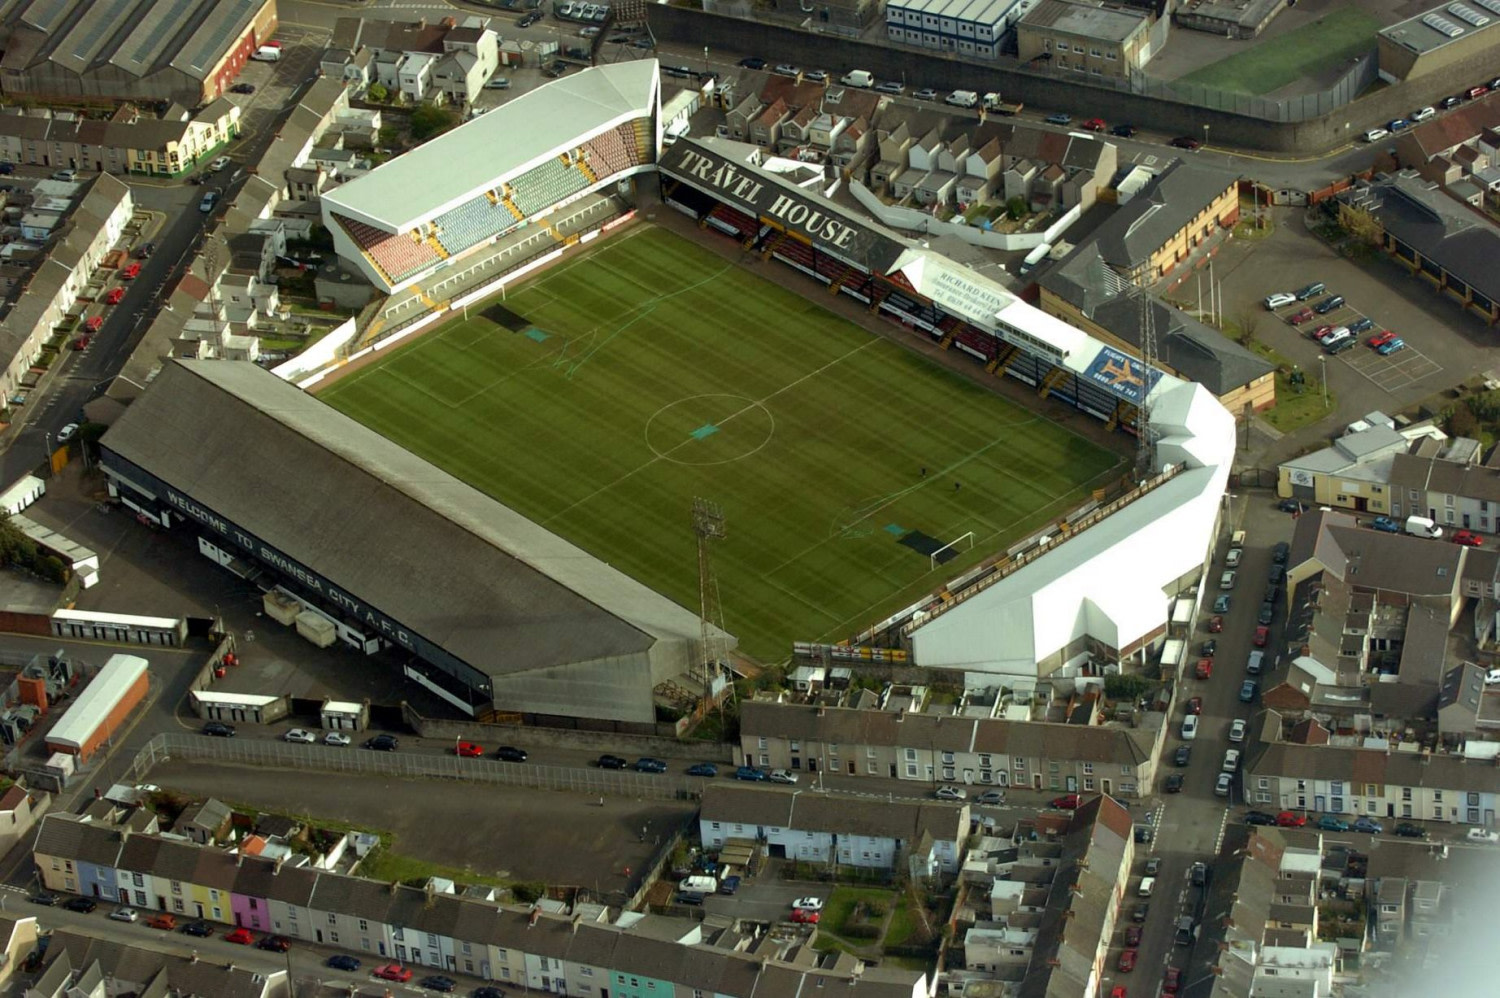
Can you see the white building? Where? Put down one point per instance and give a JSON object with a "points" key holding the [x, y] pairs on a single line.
{"points": [[965, 27], [850, 831]]}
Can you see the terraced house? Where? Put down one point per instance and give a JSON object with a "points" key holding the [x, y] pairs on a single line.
{"points": [[929, 747], [652, 958]]}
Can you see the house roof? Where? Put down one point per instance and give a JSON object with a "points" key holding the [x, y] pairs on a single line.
{"points": [[1433, 474], [837, 814], [1159, 211]]}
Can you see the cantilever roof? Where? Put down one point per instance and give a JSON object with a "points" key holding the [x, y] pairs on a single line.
{"points": [[471, 159], [458, 568]]}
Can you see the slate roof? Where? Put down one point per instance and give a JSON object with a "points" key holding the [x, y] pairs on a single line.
{"points": [[1158, 212], [836, 814]]}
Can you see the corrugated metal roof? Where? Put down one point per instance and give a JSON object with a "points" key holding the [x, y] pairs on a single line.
{"points": [[97, 700], [207, 45], [152, 34], [80, 47], [476, 156], [47, 15]]}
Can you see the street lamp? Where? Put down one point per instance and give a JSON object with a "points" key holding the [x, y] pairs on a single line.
{"points": [[1205, 135], [705, 58], [1323, 376]]}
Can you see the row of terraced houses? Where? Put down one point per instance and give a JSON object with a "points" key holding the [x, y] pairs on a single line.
{"points": [[659, 958]]}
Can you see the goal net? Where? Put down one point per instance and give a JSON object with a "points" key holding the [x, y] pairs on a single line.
{"points": [[951, 550]]}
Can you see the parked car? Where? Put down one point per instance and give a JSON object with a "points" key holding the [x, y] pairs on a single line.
{"points": [[144, 251], [729, 885], [804, 917], [242, 88], [1186, 142], [241, 936], [276, 944], [783, 776], [809, 903], [926, 93], [393, 972], [1279, 298], [65, 175], [125, 915], [1368, 825], [114, 296], [1093, 125], [1329, 304], [199, 929], [1221, 604], [991, 797], [1204, 669], [749, 773], [437, 982], [81, 905], [1248, 689], [1280, 552], [1183, 755], [816, 76], [1308, 291], [1208, 648], [468, 750], [165, 921], [1267, 614], [1290, 819], [1448, 103], [1215, 625], [94, 323], [1375, 135], [1476, 835], [216, 728], [951, 793], [301, 736], [1237, 729], [1068, 802], [1300, 316], [1361, 324], [1467, 538], [1059, 118], [1226, 580], [1171, 981], [646, 764], [1195, 705], [343, 961], [131, 272], [337, 739], [894, 87], [1422, 114], [1262, 636], [1259, 818], [1292, 506], [753, 62], [1391, 346], [509, 753], [786, 69], [382, 743], [1198, 874], [1190, 727], [1126, 962], [1386, 524], [1123, 131], [1330, 823], [1173, 784], [1222, 784], [1407, 830], [1132, 935]]}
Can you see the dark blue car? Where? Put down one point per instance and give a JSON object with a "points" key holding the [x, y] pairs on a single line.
{"points": [[340, 961], [750, 773], [703, 769], [646, 764], [1248, 690]]}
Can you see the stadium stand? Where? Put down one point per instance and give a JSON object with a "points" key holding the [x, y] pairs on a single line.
{"points": [[398, 256], [612, 151], [737, 222], [472, 223], [545, 185]]}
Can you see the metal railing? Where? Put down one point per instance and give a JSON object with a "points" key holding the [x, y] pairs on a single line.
{"points": [[288, 755]]}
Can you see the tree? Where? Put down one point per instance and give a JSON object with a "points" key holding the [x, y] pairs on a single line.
{"points": [[1123, 687], [429, 120], [15, 547], [1016, 208], [1461, 421], [377, 93], [1248, 320], [1361, 225]]}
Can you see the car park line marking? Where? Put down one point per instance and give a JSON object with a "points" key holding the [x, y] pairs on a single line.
{"points": [[1394, 372]]}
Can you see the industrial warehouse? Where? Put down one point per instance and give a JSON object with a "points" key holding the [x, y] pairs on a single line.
{"points": [[485, 608]]}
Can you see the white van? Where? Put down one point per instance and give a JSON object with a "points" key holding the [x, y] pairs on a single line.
{"points": [[1421, 526], [1148, 884], [861, 78], [962, 98], [703, 885], [267, 54]]}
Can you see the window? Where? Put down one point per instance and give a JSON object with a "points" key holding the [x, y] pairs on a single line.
{"points": [[760, 742], [1088, 769], [870, 768], [1336, 787], [796, 745], [138, 880], [1125, 770], [1110, 56], [1262, 783], [586, 971], [947, 758], [1338, 805], [176, 887], [364, 926], [1020, 764], [1406, 793], [1047, 45], [1447, 500], [334, 920], [911, 754], [333, 937], [1095, 53], [765, 759], [1437, 796], [1127, 787], [252, 904]]}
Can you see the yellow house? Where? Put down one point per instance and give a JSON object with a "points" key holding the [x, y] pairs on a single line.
{"points": [[1353, 473], [1165, 221]]}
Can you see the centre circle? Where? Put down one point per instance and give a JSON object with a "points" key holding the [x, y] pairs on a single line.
{"points": [[714, 428]]}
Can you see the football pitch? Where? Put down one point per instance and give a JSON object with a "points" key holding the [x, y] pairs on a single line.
{"points": [[600, 398]]}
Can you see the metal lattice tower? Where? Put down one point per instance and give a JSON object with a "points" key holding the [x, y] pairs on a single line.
{"points": [[1145, 439], [708, 525]]}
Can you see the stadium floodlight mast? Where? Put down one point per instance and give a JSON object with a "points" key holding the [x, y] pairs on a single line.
{"points": [[708, 526], [1115, 284]]}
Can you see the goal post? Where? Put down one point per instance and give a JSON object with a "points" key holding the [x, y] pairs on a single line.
{"points": [[963, 543]]}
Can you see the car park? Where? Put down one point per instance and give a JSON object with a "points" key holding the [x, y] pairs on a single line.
{"points": [[1262, 636], [1280, 298], [1290, 819], [1367, 825], [1190, 727], [300, 735], [1123, 131], [1300, 316], [1329, 304], [1330, 823], [1237, 730], [1186, 142], [393, 972], [218, 729], [1183, 755], [950, 793], [241, 936], [611, 762], [1483, 835], [1468, 539], [81, 905], [1248, 689], [1221, 604], [1407, 830], [382, 743], [991, 797], [646, 764], [1259, 818], [1222, 784], [1390, 347], [1215, 625], [337, 739], [1059, 118], [1068, 802], [509, 753], [748, 773], [342, 961], [1173, 784]]}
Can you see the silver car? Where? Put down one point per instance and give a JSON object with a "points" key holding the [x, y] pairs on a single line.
{"points": [[951, 793]]}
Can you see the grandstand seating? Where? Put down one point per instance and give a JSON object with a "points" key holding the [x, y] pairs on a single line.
{"points": [[471, 223], [735, 219], [795, 251], [612, 151], [835, 272], [544, 185], [644, 140], [397, 256], [978, 340]]}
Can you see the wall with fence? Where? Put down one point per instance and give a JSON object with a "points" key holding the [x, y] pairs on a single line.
{"points": [[917, 220], [267, 754], [574, 738], [320, 354]]}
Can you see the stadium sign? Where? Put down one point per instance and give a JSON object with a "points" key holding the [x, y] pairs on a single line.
{"points": [[1122, 374], [763, 198], [971, 299]]}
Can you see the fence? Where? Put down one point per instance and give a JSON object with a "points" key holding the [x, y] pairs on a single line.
{"points": [[287, 755]]}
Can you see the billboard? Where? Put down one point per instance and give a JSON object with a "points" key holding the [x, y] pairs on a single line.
{"points": [[1122, 375]]}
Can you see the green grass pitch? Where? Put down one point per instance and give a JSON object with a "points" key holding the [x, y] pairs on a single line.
{"points": [[653, 372], [1332, 40]]}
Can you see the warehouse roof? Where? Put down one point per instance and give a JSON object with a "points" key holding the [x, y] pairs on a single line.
{"points": [[457, 567], [97, 700], [471, 159]]}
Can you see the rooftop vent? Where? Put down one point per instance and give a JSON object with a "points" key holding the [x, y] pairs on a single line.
{"points": [[1442, 25], [1465, 13]]}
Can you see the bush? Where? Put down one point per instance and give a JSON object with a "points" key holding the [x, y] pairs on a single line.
{"points": [[429, 120], [51, 568], [377, 93], [873, 909], [1461, 421], [1126, 687], [528, 892], [860, 930], [1016, 208]]}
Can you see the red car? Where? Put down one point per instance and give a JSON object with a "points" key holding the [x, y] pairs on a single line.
{"points": [[1094, 125], [1172, 981], [81, 343], [1195, 705], [1468, 539], [94, 324], [1300, 316], [1215, 625], [131, 272], [1321, 332], [468, 750], [1126, 963], [1186, 142], [1204, 668], [114, 296], [1290, 819], [1381, 338], [1132, 935], [241, 935], [1262, 635], [1068, 802], [1118, 991], [393, 972], [804, 917]]}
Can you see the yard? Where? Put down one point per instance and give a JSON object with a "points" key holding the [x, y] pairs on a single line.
{"points": [[1267, 66]]}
